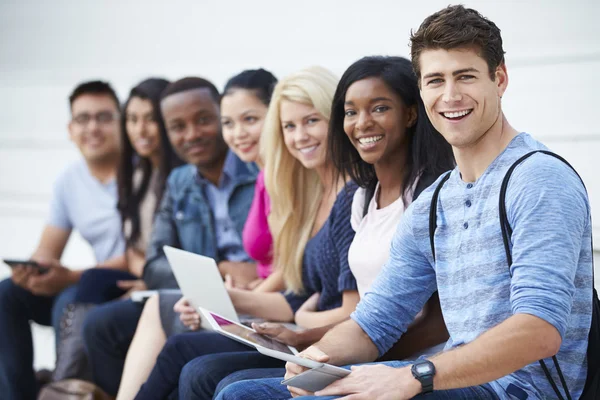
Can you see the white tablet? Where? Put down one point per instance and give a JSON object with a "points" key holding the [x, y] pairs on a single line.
{"points": [[244, 334], [199, 279], [317, 377], [305, 362]]}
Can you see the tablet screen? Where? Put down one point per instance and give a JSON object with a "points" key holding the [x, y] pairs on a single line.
{"points": [[250, 335]]}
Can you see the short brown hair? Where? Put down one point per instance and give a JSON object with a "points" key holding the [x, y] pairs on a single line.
{"points": [[457, 27]]}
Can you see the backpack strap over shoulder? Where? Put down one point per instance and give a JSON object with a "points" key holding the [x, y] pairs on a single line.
{"points": [[433, 211], [507, 232]]}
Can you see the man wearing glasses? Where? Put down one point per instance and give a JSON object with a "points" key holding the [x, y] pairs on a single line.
{"points": [[84, 199]]}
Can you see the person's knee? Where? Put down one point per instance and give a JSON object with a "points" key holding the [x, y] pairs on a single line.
{"points": [[188, 380], [200, 373], [9, 294], [234, 391], [151, 309], [174, 347], [228, 380]]}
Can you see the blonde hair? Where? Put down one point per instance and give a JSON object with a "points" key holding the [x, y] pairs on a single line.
{"points": [[294, 190]]}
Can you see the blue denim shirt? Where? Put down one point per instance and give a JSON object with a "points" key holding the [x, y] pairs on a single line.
{"points": [[186, 220], [229, 240]]}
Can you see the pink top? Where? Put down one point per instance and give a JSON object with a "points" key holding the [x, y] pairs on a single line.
{"points": [[256, 237]]}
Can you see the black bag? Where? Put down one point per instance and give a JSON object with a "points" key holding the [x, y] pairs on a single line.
{"points": [[591, 391]]}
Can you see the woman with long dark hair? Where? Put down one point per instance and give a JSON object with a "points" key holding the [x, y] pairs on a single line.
{"points": [[147, 158]]}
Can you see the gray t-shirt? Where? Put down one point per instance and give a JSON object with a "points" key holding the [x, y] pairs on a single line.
{"points": [[82, 202]]}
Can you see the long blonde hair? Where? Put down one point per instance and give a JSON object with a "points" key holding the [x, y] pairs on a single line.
{"points": [[294, 190]]}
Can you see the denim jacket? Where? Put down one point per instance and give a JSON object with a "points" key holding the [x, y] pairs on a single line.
{"points": [[185, 219]]}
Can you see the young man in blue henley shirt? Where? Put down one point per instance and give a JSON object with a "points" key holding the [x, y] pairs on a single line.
{"points": [[500, 325]]}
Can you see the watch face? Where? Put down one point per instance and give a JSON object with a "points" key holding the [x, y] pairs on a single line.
{"points": [[423, 368]]}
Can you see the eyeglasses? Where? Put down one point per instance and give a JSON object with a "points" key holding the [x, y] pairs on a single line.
{"points": [[102, 118]]}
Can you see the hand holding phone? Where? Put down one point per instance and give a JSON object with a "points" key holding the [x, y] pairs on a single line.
{"points": [[23, 271], [30, 264], [42, 277]]}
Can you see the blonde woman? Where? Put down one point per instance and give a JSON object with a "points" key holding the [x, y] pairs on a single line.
{"points": [[310, 223]]}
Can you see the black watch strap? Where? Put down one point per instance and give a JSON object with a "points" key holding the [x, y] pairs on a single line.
{"points": [[424, 371], [426, 383]]}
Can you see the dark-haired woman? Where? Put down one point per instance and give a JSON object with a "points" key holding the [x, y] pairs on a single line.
{"points": [[146, 160], [381, 138]]}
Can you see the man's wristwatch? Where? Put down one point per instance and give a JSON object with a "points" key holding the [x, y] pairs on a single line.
{"points": [[424, 371]]}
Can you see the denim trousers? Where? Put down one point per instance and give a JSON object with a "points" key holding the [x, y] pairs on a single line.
{"points": [[17, 308], [206, 376], [272, 389]]}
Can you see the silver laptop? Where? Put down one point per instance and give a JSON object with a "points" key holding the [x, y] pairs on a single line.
{"points": [[201, 283]]}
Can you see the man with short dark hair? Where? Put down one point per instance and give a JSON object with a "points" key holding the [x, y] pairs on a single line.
{"points": [[203, 211], [84, 199], [502, 317]]}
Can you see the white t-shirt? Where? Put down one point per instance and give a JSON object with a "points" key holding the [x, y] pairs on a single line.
{"points": [[370, 248]]}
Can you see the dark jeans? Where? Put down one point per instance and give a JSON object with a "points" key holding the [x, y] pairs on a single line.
{"points": [[107, 333], [272, 389], [99, 285], [17, 308], [178, 351], [205, 376]]}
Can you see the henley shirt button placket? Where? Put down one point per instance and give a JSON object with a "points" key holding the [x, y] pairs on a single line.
{"points": [[468, 204]]}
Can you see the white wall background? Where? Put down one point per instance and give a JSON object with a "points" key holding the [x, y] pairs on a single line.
{"points": [[553, 58]]}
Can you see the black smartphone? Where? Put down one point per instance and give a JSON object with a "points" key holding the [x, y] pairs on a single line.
{"points": [[26, 263]]}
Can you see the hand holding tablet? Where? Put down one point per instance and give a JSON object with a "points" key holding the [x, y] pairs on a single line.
{"points": [[243, 334], [318, 376]]}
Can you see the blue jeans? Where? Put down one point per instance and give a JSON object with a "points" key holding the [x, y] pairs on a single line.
{"points": [[17, 307], [207, 375], [272, 389], [178, 351], [107, 333]]}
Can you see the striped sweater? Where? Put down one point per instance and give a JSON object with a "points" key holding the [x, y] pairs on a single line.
{"points": [[549, 213]]}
